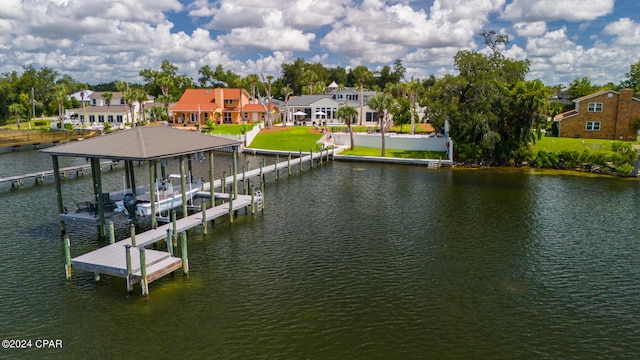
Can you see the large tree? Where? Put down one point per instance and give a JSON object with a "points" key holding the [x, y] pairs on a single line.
{"points": [[492, 109], [381, 103], [348, 113]]}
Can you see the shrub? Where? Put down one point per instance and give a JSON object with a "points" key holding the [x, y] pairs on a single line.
{"points": [[624, 170], [40, 123], [68, 126]]}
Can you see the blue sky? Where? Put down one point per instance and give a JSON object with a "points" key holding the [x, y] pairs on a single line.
{"points": [[563, 39]]}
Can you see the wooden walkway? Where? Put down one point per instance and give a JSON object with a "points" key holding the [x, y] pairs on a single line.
{"points": [[16, 181], [112, 259]]}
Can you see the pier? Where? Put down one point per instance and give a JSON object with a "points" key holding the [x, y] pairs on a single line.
{"points": [[150, 145], [40, 176], [120, 259]]}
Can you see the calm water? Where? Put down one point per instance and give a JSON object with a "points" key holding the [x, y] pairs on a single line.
{"points": [[348, 260]]}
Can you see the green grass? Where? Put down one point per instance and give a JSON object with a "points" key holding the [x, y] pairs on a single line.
{"points": [[405, 154], [232, 129], [294, 138], [572, 144], [24, 125]]}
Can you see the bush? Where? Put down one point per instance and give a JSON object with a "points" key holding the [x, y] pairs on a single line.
{"points": [[40, 123], [68, 126], [624, 170]]}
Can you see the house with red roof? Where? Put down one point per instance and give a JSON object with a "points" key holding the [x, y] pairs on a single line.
{"points": [[606, 114], [223, 106]]}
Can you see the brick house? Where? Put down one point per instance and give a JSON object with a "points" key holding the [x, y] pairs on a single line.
{"points": [[223, 106], [607, 114]]}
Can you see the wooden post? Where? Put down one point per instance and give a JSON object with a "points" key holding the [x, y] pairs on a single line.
{"points": [[132, 230], [310, 158], [132, 173], [203, 206], [152, 192], [211, 179], [300, 160], [230, 207], [127, 171], [275, 166], [320, 157], [244, 181], [183, 188], [235, 173], [185, 258], [262, 194], [169, 242], [127, 248], [144, 284], [253, 207], [223, 182], [289, 163], [56, 176], [97, 191], [175, 224], [263, 176], [261, 171], [112, 235], [67, 256]]}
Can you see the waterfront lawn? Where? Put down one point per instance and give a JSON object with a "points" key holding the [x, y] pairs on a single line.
{"points": [[405, 154], [290, 138], [550, 143], [231, 129], [28, 125]]}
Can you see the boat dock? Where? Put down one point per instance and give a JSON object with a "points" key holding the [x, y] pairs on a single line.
{"points": [[38, 177], [148, 265], [117, 259]]}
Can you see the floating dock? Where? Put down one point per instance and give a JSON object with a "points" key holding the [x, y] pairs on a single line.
{"points": [[37, 177], [118, 259]]}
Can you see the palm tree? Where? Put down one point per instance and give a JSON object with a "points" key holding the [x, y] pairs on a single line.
{"points": [[60, 94], [16, 109], [311, 77], [165, 82], [141, 97], [123, 88], [381, 103], [253, 79], [84, 113], [360, 72], [347, 113], [107, 96]]}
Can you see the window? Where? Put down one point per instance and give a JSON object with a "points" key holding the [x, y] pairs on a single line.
{"points": [[110, 119], [227, 118], [595, 107], [228, 101], [118, 118], [101, 118], [593, 125], [371, 116], [92, 118]]}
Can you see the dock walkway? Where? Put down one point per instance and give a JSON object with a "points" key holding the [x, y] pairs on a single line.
{"points": [[40, 176], [112, 259]]}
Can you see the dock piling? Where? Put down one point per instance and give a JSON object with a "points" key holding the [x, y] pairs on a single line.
{"points": [[144, 283], [132, 230], [127, 248], [185, 258], [203, 207], [112, 235], [67, 256], [169, 242]]}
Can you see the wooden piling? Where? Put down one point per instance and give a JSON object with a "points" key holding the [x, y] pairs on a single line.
{"points": [[132, 230], [203, 208], [310, 158], [223, 181], [275, 167], [253, 207], [230, 207], [185, 258], [112, 234], [127, 248], [144, 283], [183, 188], [235, 173], [289, 163], [174, 222], [169, 242], [300, 158], [67, 256]]}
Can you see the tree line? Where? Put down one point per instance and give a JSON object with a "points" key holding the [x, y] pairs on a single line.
{"points": [[494, 112]]}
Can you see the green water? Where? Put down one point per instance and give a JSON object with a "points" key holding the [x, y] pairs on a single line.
{"points": [[348, 261]]}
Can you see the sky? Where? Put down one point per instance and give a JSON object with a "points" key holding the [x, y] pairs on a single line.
{"points": [[108, 40]]}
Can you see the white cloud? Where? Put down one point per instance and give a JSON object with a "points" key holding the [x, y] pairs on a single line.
{"points": [[535, 28], [550, 10], [627, 31]]}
